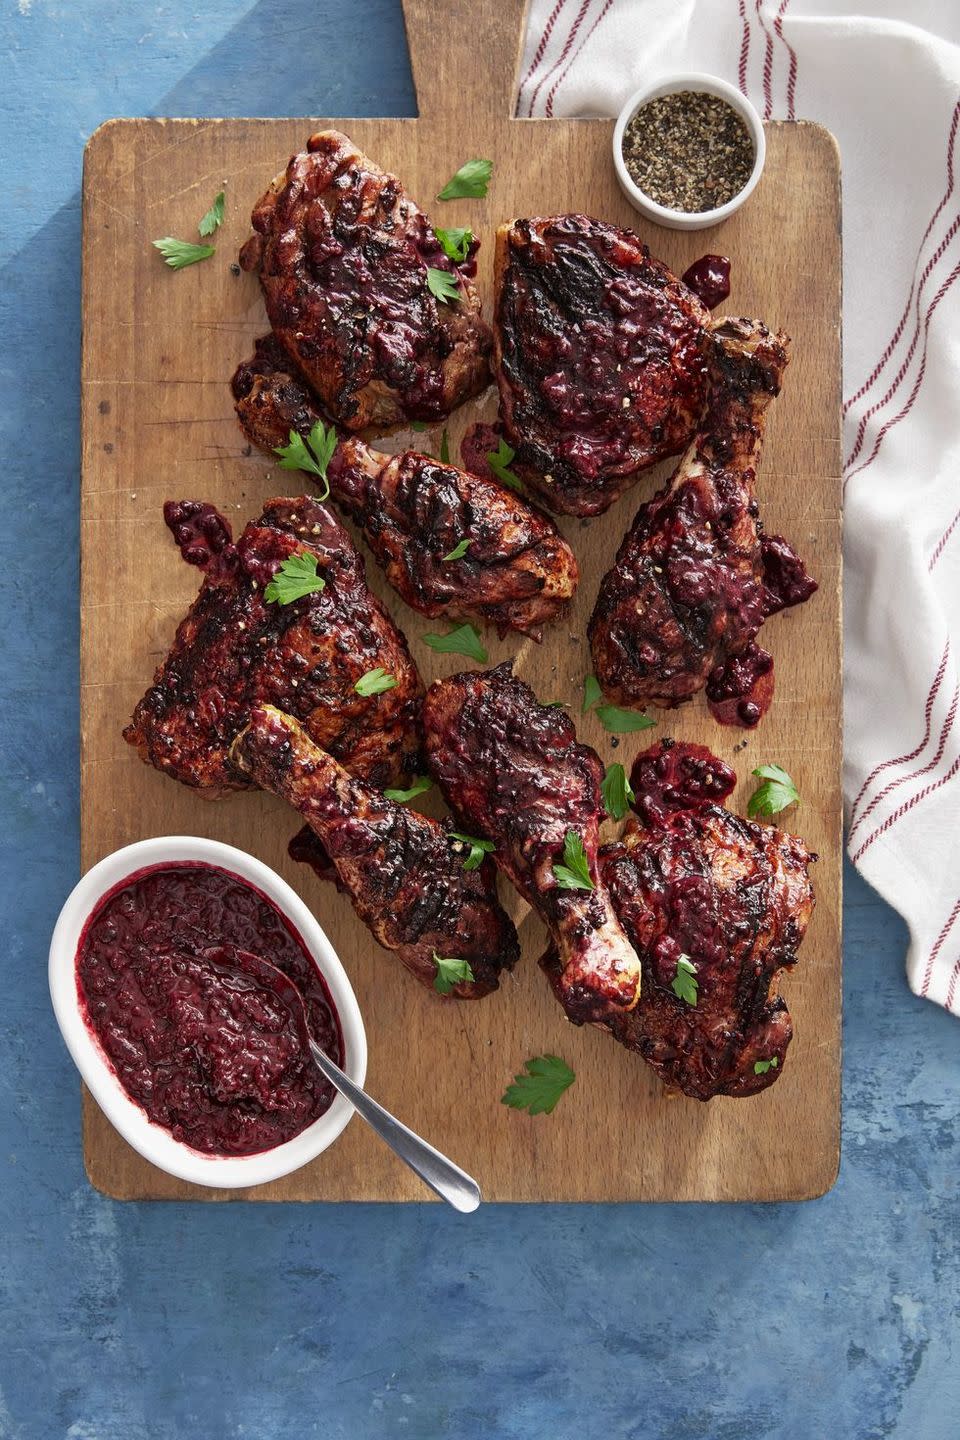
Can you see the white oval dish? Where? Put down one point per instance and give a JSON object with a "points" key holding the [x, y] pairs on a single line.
{"points": [[671, 85], [152, 1141]]}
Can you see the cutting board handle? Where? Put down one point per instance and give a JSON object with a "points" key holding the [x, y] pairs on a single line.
{"points": [[465, 54]]}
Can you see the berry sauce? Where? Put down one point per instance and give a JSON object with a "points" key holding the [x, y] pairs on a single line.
{"points": [[169, 984]]}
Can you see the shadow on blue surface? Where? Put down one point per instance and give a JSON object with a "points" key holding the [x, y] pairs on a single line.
{"points": [[836, 1318]]}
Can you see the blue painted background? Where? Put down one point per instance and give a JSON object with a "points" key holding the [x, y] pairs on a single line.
{"points": [[123, 1322]]}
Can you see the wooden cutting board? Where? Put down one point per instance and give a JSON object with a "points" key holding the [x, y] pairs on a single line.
{"points": [[159, 348]]}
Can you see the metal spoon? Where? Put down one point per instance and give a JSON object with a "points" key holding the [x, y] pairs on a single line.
{"points": [[444, 1178]]}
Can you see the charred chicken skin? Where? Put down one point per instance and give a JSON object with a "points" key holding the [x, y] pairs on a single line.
{"points": [[716, 906], [516, 571], [234, 650], [599, 356], [695, 578], [403, 872], [343, 256], [512, 770]]}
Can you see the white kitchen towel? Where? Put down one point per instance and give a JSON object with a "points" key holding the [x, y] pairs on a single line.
{"points": [[886, 81]]}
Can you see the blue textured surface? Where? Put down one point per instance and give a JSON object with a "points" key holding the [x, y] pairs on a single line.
{"points": [[123, 1322]]}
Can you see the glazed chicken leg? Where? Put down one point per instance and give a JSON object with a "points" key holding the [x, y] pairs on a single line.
{"points": [[235, 650], [403, 872], [716, 906], [516, 571], [694, 578], [513, 771]]}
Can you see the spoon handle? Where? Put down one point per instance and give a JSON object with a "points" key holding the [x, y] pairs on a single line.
{"points": [[444, 1178]]}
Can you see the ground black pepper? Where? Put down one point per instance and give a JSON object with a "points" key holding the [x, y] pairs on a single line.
{"points": [[688, 151]]}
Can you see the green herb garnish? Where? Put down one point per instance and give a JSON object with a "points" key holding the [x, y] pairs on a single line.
{"points": [[401, 797], [462, 641], [444, 448], [470, 181], [455, 243], [180, 253], [214, 216], [499, 462], [295, 578], [761, 1067], [777, 793], [418, 424], [616, 791], [449, 973], [684, 983], [592, 694], [312, 454], [443, 285], [375, 682], [478, 848], [458, 551], [622, 722], [574, 873], [539, 1087]]}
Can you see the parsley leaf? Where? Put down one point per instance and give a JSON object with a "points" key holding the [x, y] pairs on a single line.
{"points": [[591, 693], [616, 791], [684, 983], [420, 784], [444, 448], [375, 682], [458, 551], [449, 973], [470, 181], [778, 792], [478, 848], [622, 722], [455, 243], [574, 873], [296, 577], [180, 253], [760, 1067], [443, 285], [499, 462], [462, 641], [418, 424], [312, 454], [214, 216], [538, 1089]]}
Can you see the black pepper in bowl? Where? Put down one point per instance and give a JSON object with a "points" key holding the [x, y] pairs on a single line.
{"points": [[688, 151]]}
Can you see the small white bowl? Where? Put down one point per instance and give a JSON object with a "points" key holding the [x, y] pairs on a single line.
{"points": [[670, 85], [152, 1141]]}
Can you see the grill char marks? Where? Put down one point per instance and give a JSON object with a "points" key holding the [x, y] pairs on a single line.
{"points": [[694, 578], [599, 355], [233, 650], [517, 573], [692, 879], [343, 254], [402, 871], [514, 773]]}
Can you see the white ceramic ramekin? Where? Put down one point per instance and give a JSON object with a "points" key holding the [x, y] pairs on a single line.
{"points": [[152, 1141], [671, 85]]}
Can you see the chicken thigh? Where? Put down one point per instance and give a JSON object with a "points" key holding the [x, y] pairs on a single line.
{"points": [[235, 649]]}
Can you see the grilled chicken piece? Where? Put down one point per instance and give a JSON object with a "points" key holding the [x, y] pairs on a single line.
{"points": [[512, 769], [695, 578], [732, 898], [234, 651], [518, 572], [599, 356], [343, 255], [403, 872]]}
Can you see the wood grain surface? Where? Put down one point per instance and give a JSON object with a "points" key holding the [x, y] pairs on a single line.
{"points": [[158, 351]]}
